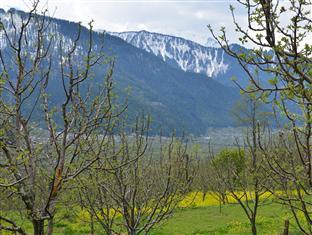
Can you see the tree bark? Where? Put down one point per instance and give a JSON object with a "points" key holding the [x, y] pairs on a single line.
{"points": [[286, 227], [204, 196], [91, 225], [50, 227], [253, 228], [132, 232], [38, 226], [220, 206]]}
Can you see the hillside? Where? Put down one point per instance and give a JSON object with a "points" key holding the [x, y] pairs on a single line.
{"points": [[176, 99], [189, 56]]}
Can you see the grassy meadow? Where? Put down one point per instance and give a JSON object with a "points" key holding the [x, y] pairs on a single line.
{"points": [[194, 216]]}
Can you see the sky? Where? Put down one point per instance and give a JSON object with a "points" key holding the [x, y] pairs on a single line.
{"points": [[184, 18]]}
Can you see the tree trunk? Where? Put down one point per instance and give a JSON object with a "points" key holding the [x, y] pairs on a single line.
{"points": [[224, 198], [286, 227], [38, 226], [204, 196], [50, 227], [132, 232], [253, 228], [91, 225], [220, 206]]}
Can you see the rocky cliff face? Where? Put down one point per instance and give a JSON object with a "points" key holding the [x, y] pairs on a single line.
{"points": [[178, 52]]}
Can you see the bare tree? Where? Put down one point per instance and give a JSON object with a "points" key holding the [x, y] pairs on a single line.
{"points": [[36, 62], [140, 185], [207, 182], [288, 178], [241, 171], [278, 32]]}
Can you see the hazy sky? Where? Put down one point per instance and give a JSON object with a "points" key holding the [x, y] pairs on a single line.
{"points": [[186, 18]]}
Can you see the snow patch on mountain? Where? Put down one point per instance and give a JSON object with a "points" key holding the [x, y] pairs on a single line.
{"points": [[178, 52], [52, 37]]}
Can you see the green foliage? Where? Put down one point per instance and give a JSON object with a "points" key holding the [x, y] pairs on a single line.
{"points": [[198, 220], [273, 81], [230, 159]]}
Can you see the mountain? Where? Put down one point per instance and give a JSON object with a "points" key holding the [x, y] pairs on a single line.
{"points": [[176, 99], [210, 42], [187, 55], [179, 52]]}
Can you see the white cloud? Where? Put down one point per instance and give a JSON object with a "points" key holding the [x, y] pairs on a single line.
{"points": [[176, 17]]}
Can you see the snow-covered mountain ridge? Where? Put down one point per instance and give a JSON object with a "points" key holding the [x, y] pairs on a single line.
{"points": [[179, 52]]}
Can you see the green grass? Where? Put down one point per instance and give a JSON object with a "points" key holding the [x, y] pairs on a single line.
{"points": [[231, 220], [190, 221]]}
